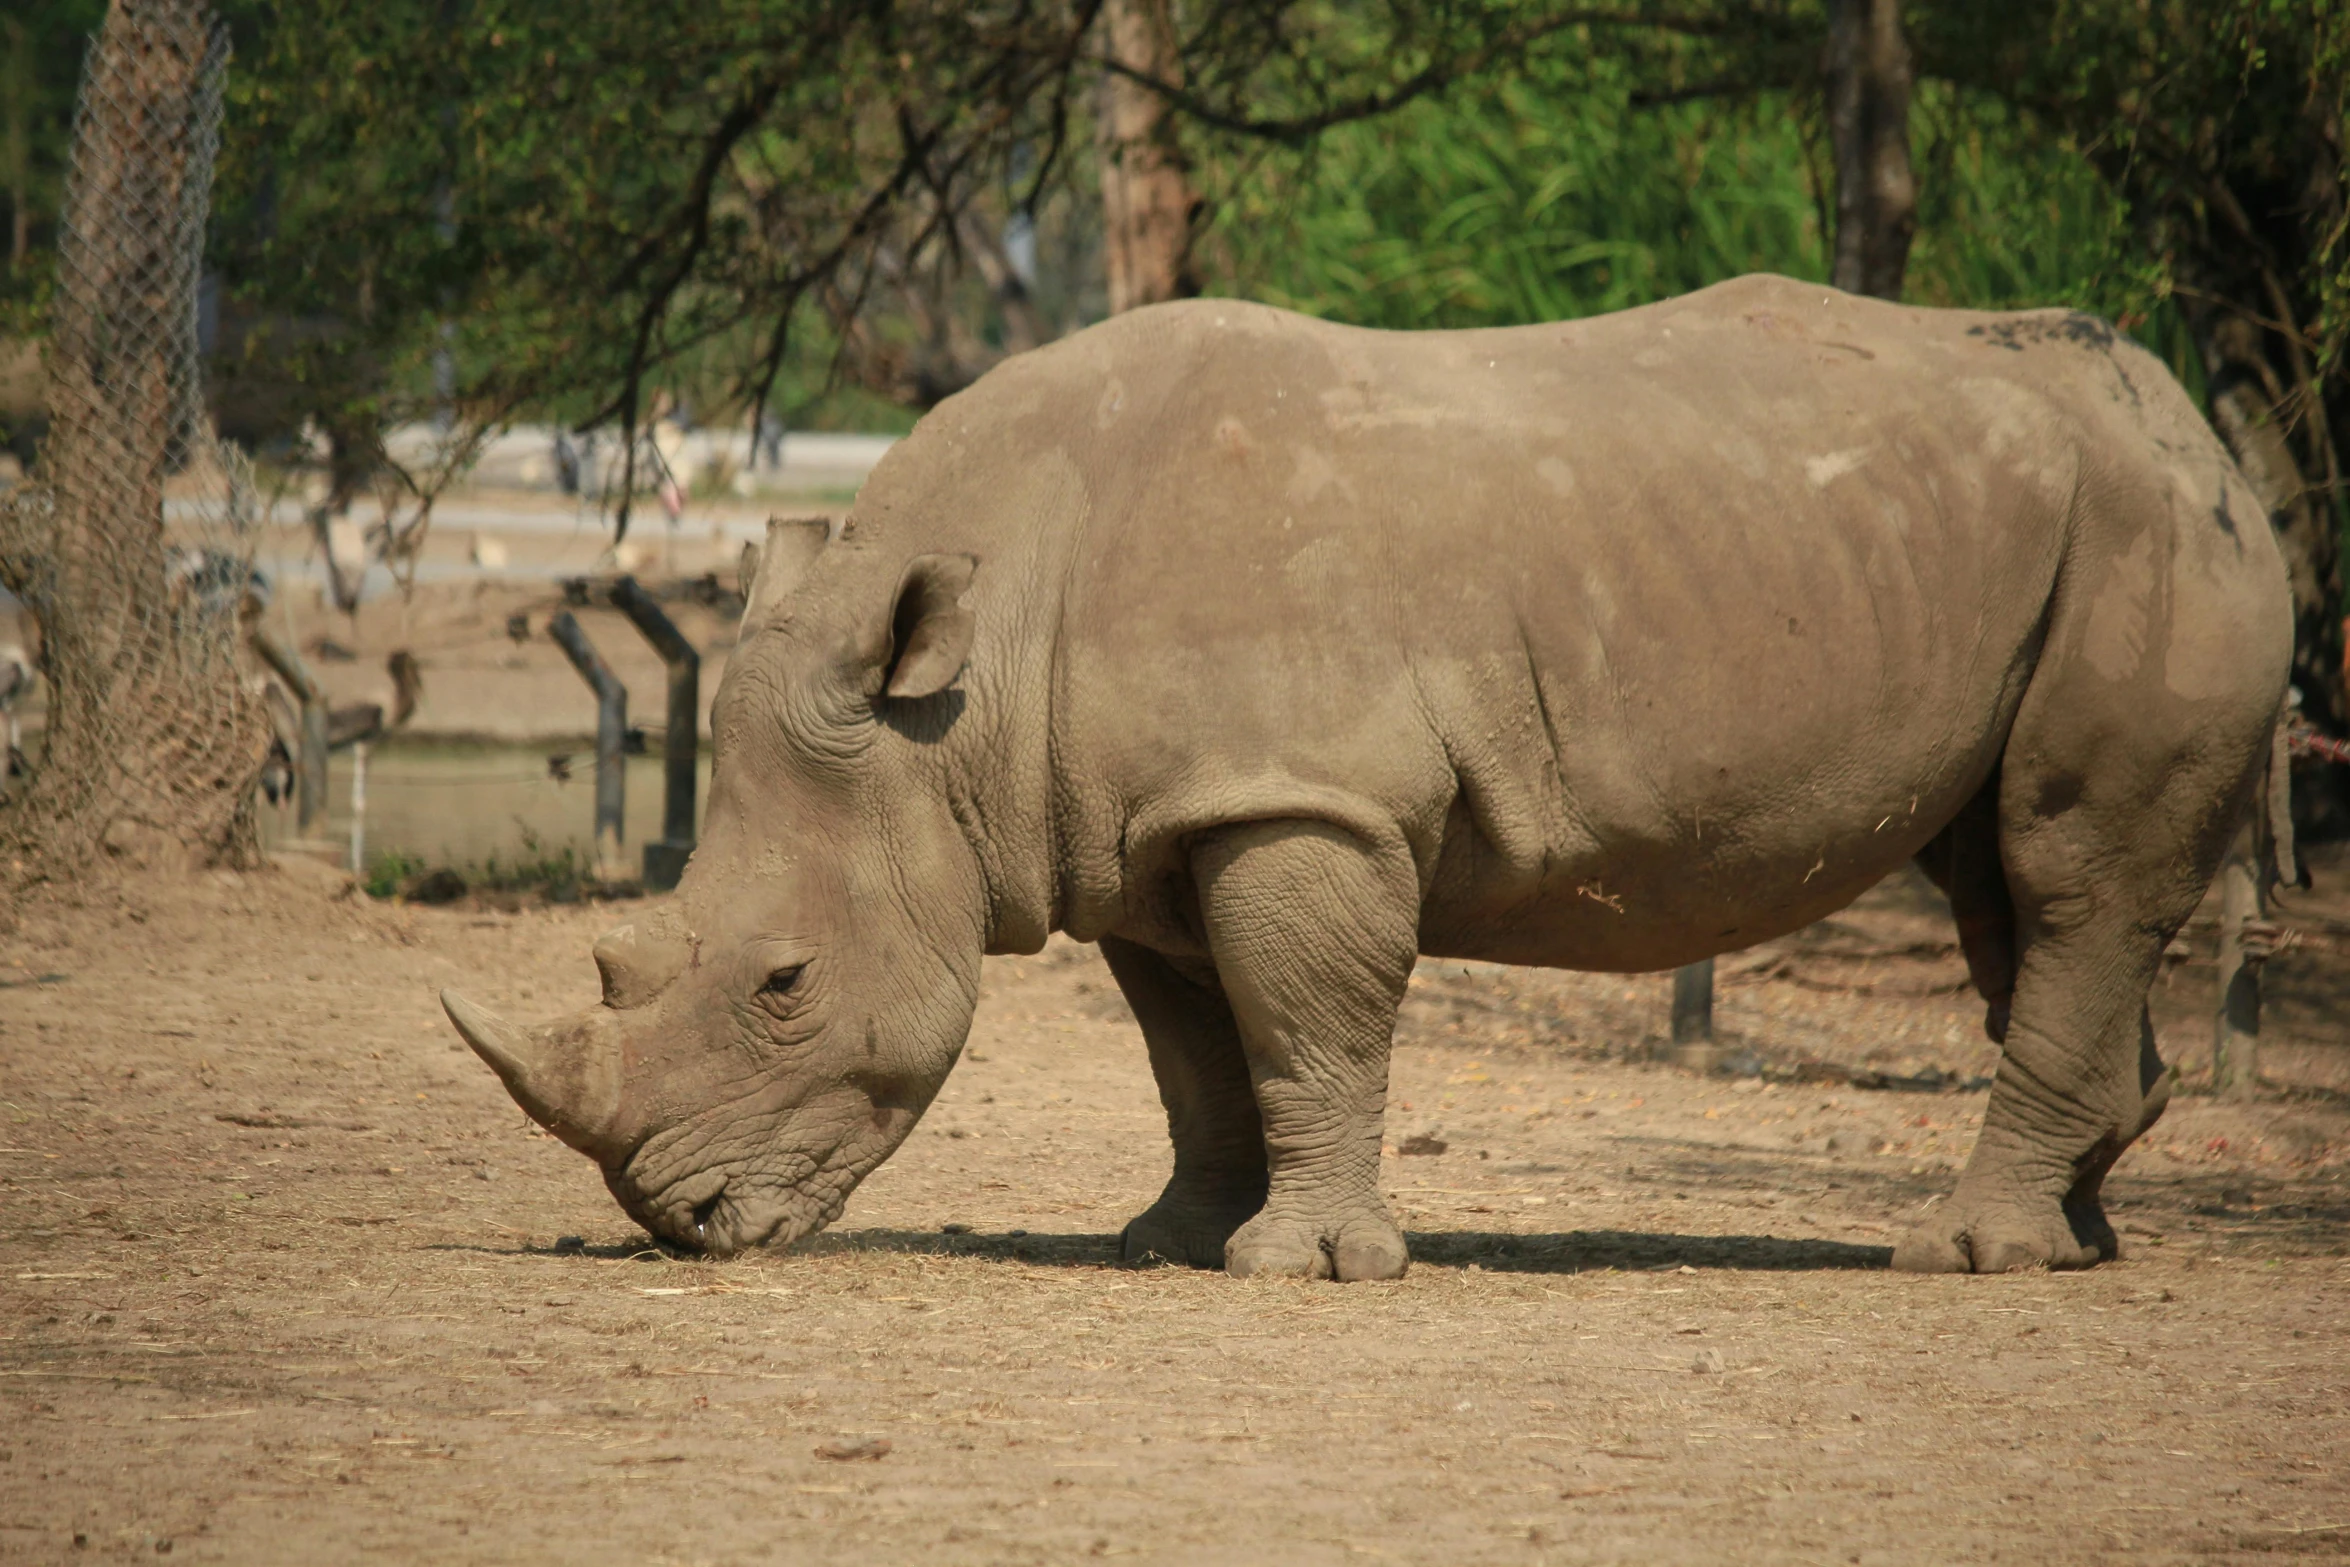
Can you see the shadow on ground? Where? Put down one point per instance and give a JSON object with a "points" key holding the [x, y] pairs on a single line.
{"points": [[1584, 1250], [1577, 1251]]}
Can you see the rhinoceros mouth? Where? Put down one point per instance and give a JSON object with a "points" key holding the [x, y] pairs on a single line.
{"points": [[720, 1212], [721, 1226], [693, 1215]]}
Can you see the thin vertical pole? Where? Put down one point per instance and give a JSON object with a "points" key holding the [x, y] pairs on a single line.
{"points": [[359, 808], [664, 861], [310, 785], [611, 734], [1693, 1015], [310, 764]]}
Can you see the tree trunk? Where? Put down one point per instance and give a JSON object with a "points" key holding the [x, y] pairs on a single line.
{"points": [[1147, 200], [1867, 87], [153, 742]]}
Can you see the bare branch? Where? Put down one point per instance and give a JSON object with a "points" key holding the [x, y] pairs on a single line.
{"points": [[1435, 77]]}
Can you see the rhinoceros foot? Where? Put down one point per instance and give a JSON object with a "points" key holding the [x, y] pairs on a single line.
{"points": [[1171, 1230], [1348, 1248], [2007, 1234]]}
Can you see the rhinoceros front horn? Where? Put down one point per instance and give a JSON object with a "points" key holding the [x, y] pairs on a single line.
{"points": [[567, 1078]]}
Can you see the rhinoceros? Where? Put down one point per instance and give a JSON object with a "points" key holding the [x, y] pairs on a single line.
{"points": [[1271, 654]]}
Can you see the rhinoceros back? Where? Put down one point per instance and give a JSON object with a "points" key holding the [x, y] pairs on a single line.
{"points": [[1646, 634]]}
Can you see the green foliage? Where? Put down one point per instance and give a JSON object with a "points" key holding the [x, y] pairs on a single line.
{"points": [[2219, 126], [1554, 195], [558, 875], [40, 66], [556, 203], [2010, 215], [389, 872], [1535, 200], [2217, 123]]}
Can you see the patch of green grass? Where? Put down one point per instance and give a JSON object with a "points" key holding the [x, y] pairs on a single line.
{"points": [[558, 875], [389, 872]]}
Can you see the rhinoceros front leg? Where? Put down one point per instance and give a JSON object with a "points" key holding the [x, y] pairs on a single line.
{"points": [[1196, 1054], [1313, 936]]}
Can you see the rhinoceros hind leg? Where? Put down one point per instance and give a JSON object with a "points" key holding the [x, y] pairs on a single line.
{"points": [[1219, 1176], [1314, 934], [1991, 1226], [2114, 808]]}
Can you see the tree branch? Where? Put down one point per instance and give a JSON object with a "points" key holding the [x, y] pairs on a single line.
{"points": [[730, 131], [1432, 78]]}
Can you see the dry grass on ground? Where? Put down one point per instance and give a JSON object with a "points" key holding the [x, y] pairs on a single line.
{"points": [[285, 1279]]}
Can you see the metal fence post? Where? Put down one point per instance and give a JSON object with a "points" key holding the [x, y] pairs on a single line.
{"points": [[611, 735], [1693, 1016], [310, 765], [665, 860]]}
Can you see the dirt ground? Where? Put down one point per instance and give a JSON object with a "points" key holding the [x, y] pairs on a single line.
{"points": [[287, 1278]]}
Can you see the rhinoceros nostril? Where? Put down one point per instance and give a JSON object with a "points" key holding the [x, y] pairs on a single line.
{"points": [[704, 1211]]}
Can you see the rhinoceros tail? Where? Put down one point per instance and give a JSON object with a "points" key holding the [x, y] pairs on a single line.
{"points": [[1963, 860]]}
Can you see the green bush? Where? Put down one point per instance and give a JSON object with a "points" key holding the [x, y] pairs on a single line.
{"points": [[1553, 194], [559, 875], [389, 872]]}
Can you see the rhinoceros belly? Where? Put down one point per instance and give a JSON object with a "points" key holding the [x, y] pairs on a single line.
{"points": [[1722, 688], [1653, 635]]}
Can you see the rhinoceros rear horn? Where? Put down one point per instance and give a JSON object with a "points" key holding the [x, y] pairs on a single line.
{"points": [[566, 1078], [930, 631], [771, 571]]}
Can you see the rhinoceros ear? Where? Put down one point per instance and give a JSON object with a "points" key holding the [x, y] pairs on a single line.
{"points": [[770, 573], [929, 632]]}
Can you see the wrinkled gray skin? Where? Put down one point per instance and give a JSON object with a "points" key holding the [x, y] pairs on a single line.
{"points": [[1293, 651]]}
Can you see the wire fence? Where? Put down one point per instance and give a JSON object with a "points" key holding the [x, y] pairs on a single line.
{"points": [[154, 736]]}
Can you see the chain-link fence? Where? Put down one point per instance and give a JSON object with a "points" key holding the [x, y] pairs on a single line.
{"points": [[132, 546]]}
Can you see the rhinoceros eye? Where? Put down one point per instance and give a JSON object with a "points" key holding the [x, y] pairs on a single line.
{"points": [[781, 981]]}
